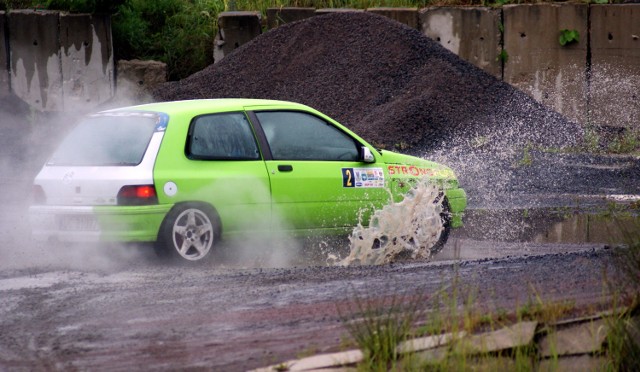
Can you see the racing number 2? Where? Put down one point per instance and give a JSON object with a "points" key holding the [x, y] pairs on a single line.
{"points": [[347, 177]]}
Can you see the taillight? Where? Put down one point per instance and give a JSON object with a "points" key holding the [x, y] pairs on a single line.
{"points": [[137, 195], [37, 195]]}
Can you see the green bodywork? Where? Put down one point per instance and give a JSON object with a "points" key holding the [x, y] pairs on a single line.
{"points": [[256, 196]]}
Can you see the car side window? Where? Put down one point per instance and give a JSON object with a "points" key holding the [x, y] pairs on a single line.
{"points": [[226, 136], [296, 135]]}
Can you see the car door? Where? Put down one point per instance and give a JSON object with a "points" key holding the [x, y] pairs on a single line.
{"points": [[220, 164], [317, 178]]}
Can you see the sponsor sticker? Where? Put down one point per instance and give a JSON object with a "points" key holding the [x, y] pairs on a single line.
{"points": [[410, 170], [362, 177]]}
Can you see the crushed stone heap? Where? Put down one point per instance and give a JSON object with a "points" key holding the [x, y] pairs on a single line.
{"points": [[388, 82]]}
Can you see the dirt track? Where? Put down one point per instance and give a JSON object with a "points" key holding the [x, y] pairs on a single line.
{"points": [[67, 308], [228, 319]]}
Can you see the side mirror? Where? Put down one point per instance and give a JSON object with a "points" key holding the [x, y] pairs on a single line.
{"points": [[367, 156]]}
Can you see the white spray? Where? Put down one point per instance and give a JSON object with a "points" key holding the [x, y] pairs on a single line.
{"points": [[407, 228]]}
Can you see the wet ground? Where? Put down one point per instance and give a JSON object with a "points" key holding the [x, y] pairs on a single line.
{"points": [[116, 308]]}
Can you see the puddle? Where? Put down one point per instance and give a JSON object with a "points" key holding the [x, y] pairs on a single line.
{"points": [[550, 225], [588, 228], [511, 233]]}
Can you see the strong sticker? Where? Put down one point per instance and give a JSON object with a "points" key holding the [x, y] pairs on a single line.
{"points": [[362, 177], [411, 170]]}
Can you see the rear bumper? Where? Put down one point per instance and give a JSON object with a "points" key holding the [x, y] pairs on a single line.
{"points": [[457, 204], [97, 224]]}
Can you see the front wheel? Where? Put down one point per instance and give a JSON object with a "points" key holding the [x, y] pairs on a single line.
{"points": [[188, 232], [445, 217]]}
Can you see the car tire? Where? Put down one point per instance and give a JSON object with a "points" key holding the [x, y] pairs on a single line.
{"points": [[188, 233], [445, 217]]}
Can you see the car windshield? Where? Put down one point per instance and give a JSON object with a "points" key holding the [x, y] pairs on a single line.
{"points": [[106, 140]]}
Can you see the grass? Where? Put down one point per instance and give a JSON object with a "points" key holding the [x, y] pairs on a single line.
{"points": [[623, 341], [527, 159], [378, 330], [379, 327], [623, 346], [626, 142], [597, 141]]}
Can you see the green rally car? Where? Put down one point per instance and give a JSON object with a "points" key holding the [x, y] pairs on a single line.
{"points": [[185, 174]]}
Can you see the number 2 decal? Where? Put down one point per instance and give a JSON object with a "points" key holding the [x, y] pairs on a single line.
{"points": [[347, 177], [362, 177]]}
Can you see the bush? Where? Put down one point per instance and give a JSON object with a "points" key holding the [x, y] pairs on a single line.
{"points": [[179, 33]]}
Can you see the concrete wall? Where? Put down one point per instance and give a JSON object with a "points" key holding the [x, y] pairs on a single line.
{"points": [[595, 80], [615, 64], [537, 64], [473, 33], [280, 16], [234, 30], [35, 66], [59, 61], [408, 16], [87, 59], [4, 51]]}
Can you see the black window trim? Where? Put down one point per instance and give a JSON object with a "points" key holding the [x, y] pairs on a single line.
{"points": [[187, 145]]}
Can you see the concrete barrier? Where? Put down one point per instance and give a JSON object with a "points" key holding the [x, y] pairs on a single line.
{"points": [[408, 16], [280, 16], [234, 30], [473, 33], [35, 66], [60, 62], [4, 61], [86, 60], [337, 10], [136, 79], [56, 62], [537, 64], [615, 65]]}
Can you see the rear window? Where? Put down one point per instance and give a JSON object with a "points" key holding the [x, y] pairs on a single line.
{"points": [[106, 140], [226, 136]]}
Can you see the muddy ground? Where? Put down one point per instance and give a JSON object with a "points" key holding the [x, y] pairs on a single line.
{"points": [[117, 308]]}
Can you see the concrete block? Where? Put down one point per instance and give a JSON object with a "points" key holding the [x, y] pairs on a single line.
{"points": [[473, 33], [137, 78], [336, 10], [5, 87], [553, 74], [324, 362], [234, 30], [574, 339], [35, 67], [87, 60], [518, 335], [429, 342], [280, 16], [615, 65], [408, 16]]}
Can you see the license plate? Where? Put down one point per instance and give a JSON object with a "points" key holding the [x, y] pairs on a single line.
{"points": [[77, 223]]}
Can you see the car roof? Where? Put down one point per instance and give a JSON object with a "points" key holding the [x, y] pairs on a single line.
{"points": [[198, 106]]}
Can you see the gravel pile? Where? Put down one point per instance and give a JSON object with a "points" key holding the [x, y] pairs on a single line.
{"points": [[389, 83]]}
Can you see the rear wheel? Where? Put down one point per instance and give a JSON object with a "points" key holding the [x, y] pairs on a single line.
{"points": [[188, 232]]}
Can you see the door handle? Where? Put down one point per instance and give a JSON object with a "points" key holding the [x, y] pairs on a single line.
{"points": [[285, 168]]}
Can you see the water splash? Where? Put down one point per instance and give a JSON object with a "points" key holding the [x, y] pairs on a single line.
{"points": [[408, 228]]}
